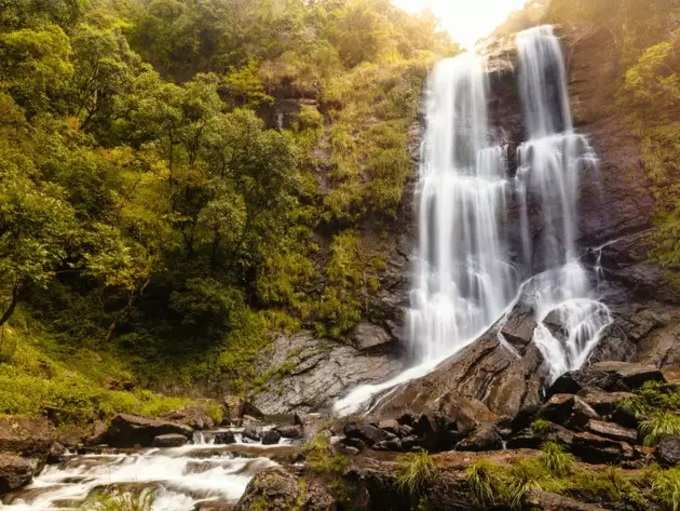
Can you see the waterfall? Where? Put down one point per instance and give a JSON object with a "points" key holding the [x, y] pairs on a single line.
{"points": [[550, 165], [468, 273], [464, 279]]}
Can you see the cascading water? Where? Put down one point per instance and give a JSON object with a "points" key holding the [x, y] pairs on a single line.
{"points": [[463, 280], [550, 165], [468, 275]]}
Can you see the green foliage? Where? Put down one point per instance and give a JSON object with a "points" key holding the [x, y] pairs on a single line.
{"points": [[556, 460], [666, 488], [320, 459], [485, 484], [541, 427], [659, 425], [415, 472]]}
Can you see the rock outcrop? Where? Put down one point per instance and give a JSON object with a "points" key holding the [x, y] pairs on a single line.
{"points": [[132, 430], [310, 373]]}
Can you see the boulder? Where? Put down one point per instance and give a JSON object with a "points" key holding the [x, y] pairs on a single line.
{"points": [[194, 417], [252, 433], [28, 437], [668, 451], [367, 433], [15, 472], [558, 408], [519, 327], [604, 403], [600, 450], [170, 440], [367, 336], [292, 431], [133, 430], [611, 430], [233, 408], [224, 438], [278, 490], [484, 438], [633, 376], [271, 437], [316, 372]]}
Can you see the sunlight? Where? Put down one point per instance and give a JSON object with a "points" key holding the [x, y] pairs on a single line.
{"points": [[466, 20]]}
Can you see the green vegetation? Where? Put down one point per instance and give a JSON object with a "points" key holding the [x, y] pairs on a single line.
{"points": [[180, 180], [657, 408], [320, 459], [415, 472], [666, 487]]}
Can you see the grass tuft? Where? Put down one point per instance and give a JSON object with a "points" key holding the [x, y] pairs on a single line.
{"points": [[659, 425], [416, 471], [666, 488]]}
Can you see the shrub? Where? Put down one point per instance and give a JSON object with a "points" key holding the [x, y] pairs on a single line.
{"points": [[415, 471]]}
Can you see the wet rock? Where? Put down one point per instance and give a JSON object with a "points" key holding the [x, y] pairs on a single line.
{"points": [[484, 438], [391, 426], [293, 431], [519, 328], [251, 433], [132, 430], [668, 451], [366, 336], [170, 440], [393, 444], [317, 372], [282, 419], [233, 408], [278, 490], [224, 437], [15, 472], [56, 454], [611, 430], [558, 408], [581, 414], [271, 437], [530, 438]]}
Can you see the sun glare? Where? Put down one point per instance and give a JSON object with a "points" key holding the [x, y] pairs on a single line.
{"points": [[466, 20]]}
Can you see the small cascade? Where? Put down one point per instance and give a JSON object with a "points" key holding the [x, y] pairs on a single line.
{"points": [[471, 269], [205, 474]]}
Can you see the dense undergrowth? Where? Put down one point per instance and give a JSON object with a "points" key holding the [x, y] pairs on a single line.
{"points": [[179, 180]]}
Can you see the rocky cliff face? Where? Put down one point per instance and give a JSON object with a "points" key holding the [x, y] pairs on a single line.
{"points": [[615, 220]]}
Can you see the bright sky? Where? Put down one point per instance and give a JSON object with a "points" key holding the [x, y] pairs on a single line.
{"points": [[466, 20]]}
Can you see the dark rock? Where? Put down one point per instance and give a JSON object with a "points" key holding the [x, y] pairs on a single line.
{"points": [[604, 403], [169, 440], [391, 426], [293, 431], [357, 443], [15, 472], [394, 444], [581, 413], [278, 490], [57, 453], [250, 409], [484, 438], [27, 437], [252, 433], [410, 442], [612, 430], [224, 438], [632, 375], [271, 437], [367, 336], [668, 451], [369, 433], [531, 439], [193, 416], [132, 430], [233, 408], [597, 449], [558, 408]]}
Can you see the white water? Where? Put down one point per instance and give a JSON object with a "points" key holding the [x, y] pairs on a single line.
{"points": [[180, 478], [468, 275]]}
